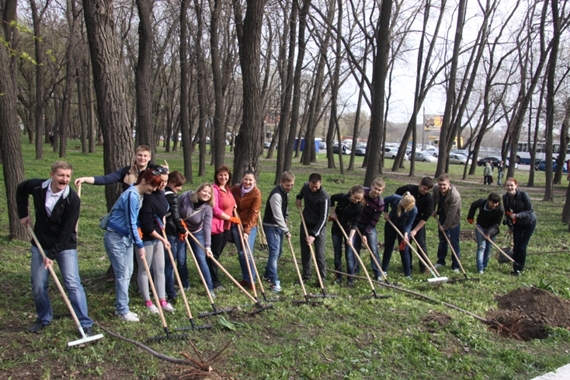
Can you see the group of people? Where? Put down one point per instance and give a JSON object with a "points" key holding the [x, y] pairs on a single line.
{"points": [[152, 217], [488, 172]]}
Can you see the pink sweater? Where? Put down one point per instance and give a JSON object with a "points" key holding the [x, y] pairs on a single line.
{"points": [[224, 203]]}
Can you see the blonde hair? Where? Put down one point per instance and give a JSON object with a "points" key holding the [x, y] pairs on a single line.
{"points": [[194, 196], [407, 203]]}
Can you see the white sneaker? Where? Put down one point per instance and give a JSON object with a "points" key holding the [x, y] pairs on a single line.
{"points": [[481, 272], [130, 312], [437, 265], [456, 270], [129, 317], [153, 309], [166, 307]]}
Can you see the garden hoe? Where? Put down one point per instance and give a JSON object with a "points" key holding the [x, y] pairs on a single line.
{"points": [[181, 287], [372, 257], [248, 252], [307, 300], [262, 237], [324, 293], [160, 312], [428, 264], [216, 310], [349, 242], [246, 257], [496, 246], [84, 338], [453, 250]]}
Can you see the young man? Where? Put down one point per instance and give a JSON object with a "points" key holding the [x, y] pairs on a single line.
{"points": [[57, 211], [126, 175], [448, 203], [275, 226], [315, 213], [489, 219], [424, 204], [374, 205]]}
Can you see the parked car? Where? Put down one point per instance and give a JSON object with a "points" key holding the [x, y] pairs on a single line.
{"points": [[432, 150], [345, 150], [390, 152], [360, 149], [459, 159], [425, 157], [494, 160], [541, 166], [464, 152]]}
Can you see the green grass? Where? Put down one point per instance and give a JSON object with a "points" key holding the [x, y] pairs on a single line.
{"points": [[346, 338]]}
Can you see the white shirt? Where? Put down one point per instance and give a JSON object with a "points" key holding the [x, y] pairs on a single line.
{"points": [[51, 199]]}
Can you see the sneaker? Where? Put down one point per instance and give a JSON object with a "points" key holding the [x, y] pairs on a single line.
{"points": [[129, 317], [36, 327], [130, 312], [219, 288], [481, 272], [88, 331], [350, 284], [266, 279], [516, 273], [438, 265], [152, 308], [408, 278], [167, 307], [456, 270], [276, 287], [338, 280], [213, 294]]}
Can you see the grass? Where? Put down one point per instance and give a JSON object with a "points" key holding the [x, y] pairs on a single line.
{"points": [[346, 338]]}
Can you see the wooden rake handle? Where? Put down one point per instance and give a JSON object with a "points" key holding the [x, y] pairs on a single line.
{"points": [[494, 244]]}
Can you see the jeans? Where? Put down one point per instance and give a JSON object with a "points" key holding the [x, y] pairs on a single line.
{"points": [[200, 256], [521, 236], [484, 248], [242, 254], [319, 249], [275, 238], [67, 261], [338, 243], [178, 248], [453, 236], [390, 236], [372, 240], [120, 252], [218, 243]]}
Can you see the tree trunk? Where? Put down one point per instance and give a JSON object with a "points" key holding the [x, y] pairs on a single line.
{"points": [[218, 140], [39, 109], [110, 89], [10, 145], [184, 127], [378, 88]]}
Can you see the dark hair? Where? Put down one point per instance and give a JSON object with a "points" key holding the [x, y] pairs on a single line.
{"points": [[150, 176], [176, 178], [315, 177], [427, 182], [249, 171], [494, 197], [222, 168]]}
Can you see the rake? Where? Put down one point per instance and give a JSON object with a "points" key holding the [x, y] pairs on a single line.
{"points": [[314, 257], [372, 257], [452, 249], [160, 312], [208, 293], [84, 338], [437, 278], [262, 236], [349, 241], [181, 287], [307, 300], [496, 246]]}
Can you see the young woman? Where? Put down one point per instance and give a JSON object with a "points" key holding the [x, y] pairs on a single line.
{"points": [[122, 233], [175, 233], [224, 204], [196, 211], [151, 221], [248, 201], [521, 219], [401, 211], [348, 210]]}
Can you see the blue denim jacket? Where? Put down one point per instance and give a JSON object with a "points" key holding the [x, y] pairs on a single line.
{"points": [[124, 215], [406, 219]]}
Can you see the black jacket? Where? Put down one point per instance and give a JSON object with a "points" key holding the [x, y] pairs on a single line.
{"points": [[55, 233], [173, 221], [488, 220], [154, 208], [424, 202], [521, 205], [316, 209], [347, 212]]}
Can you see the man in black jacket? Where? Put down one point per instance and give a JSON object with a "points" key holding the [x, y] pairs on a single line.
{"points": [[57, 211], [424, 204], [315, 214], [489, 219]]}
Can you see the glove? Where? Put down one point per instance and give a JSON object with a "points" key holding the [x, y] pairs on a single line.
{"points": [[140, 232], [184, 224], [234, 220], [402, 245], [182, 237], [470, 220]]}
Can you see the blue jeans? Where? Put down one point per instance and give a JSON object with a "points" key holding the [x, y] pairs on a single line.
{"points": [[120, 252], [390, 236], [67, 261], [484, 248], [338, 243], [275, 238], [200, 256], [453, 236], [241, 252], [372, 240], [178, 248]]}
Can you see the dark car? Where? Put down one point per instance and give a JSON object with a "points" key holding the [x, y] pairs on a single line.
{"points": [[541, 166], [345, 149], [494, 160], [360, 150]]}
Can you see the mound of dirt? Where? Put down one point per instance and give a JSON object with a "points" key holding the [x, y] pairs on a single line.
{"points": [[435, 319], [525, 312]]}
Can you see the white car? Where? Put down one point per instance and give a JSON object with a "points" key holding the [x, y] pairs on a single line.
{"points": [[425, 157], [460, 159], [390, 152]]}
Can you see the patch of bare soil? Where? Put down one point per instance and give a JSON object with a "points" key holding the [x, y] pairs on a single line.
{"points": [[525, 312], [435, 319]]}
